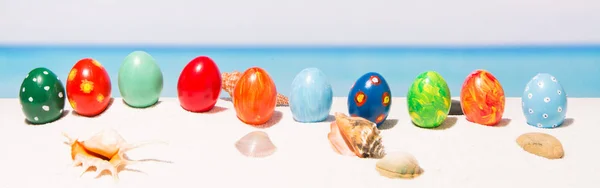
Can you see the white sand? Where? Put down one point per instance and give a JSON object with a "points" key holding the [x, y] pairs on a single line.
{"points": [[202, 153]]}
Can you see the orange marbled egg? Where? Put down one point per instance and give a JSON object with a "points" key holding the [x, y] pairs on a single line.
{"points": [[482, 98], [255, 97]]}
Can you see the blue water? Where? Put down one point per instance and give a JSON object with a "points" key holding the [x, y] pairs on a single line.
{"points": [[577, 68]]}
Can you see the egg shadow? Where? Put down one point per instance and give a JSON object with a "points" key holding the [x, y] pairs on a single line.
{"points": [[216, 109], [567, 122], [330, 118], [503, 122], [388, 124], [227, 99], [151, 106], [62, 115], [455, 108], [110, 103], [449, 122], [276, 118]]}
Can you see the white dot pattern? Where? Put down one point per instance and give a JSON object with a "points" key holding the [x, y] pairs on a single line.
{"points": [[34, 79], [46, 88], [46, 72], [30, 99], [60, 95], [23, 89], [46, 108], [543, 101], [36, 118]]}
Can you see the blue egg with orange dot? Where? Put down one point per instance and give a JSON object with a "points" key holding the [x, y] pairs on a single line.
{"points": [[370, 98]]}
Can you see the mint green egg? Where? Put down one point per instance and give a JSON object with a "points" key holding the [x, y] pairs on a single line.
{"points": [[140, 80]]}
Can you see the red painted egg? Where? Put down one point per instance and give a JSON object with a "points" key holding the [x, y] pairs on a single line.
{"points": [[255, 97], [199, 85], [88, 87]]}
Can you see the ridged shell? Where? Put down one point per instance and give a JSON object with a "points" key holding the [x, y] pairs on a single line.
{"points": [[255, 144], [398, 165], [541, 144], [361, 135], [337, 142]]}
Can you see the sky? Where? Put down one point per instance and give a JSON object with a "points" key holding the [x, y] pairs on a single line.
{"points": [[300, 22]]}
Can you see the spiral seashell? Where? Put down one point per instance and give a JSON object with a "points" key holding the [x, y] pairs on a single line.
{"points": [[398, 165], [361, 136], [231, 79], [105, 151]]}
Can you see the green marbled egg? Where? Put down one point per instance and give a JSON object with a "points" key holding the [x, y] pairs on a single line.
{"points": [[140, 80], [428, 100]]}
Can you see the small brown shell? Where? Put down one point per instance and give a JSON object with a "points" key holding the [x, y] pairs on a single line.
{"points": [[541, 144], [361, 136], [398, 165], [255, 144]]}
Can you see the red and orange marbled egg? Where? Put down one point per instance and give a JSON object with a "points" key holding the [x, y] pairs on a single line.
{"points": [[255, 96], [482, 98], [88, 87]]}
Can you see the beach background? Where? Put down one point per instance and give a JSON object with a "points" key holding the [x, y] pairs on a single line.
{"points": [[514, 40], [576, 67]]}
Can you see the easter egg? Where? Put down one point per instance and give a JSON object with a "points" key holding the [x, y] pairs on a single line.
{"points": [[42, 96], [311, 97], [482, 98], [255, 97], [199, 85], [544, 101], [140, 80], [370, 98], [88, 88], [428, 100]]}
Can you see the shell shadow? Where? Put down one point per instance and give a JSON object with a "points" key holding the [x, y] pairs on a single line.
{"points": [[227, 99], [124, 168], [110, 103], [503, 122], [567, 122], [455, 108], [151, 106], [64, 113], [388, 124], [276, 118]]}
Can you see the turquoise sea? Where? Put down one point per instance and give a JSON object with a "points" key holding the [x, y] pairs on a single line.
{"points": [[576, 67]]}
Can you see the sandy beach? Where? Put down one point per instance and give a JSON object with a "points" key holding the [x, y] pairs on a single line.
{"points": [[201, 152]]}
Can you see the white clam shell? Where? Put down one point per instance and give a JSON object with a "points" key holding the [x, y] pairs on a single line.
{"points": [[398, 165], [255, 144]]}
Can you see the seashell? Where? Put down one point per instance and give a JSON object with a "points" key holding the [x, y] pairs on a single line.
{"points": [[541, 144], [230, 80], [398, 165], [255, 144], [361, 136], [337, 141], [104, 151]]}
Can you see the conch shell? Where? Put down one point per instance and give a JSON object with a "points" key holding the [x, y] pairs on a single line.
{"points": [[104, 151], [398, 165], [360, 135], [230, 80]]}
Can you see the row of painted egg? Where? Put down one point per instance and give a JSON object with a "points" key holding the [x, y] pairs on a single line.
{"points": [[140, 81]]}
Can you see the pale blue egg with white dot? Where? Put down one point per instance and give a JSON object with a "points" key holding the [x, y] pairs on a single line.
{"points": [[544, 102]]}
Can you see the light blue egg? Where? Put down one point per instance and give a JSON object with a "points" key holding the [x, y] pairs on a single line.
{"points": [[311, 97], [544, 102]]}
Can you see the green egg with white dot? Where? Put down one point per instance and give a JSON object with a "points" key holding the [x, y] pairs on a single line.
{"points": [[42, 96]]}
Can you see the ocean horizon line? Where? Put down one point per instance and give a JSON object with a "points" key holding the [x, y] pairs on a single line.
{"points": [[493, 47]]}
